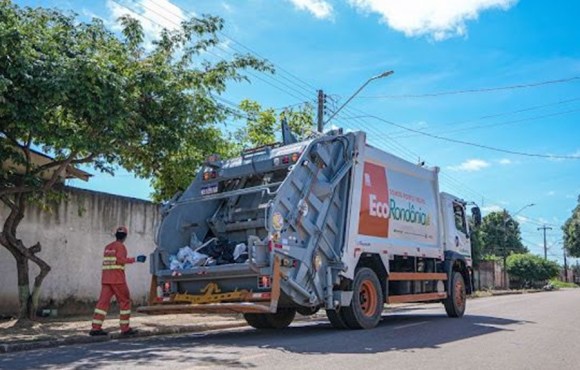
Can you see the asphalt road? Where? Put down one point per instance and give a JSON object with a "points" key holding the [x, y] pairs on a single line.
{"points": [[533, 331]]}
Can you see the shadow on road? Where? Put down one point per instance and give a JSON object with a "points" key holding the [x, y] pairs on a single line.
{"points": [[399, 332], [394, 333]]}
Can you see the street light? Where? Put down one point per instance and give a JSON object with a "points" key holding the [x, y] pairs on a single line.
{"points": [[382, 75], [505, 221]]}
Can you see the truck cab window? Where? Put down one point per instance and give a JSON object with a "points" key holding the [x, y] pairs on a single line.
{"points": [[459, 214]]}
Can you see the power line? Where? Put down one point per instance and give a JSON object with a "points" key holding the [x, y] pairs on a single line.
{"points": [[457, 186], [501, 114], [508, 151], [453, 183], [285, 85], [536, 118], [308, 90], [472, 91]]}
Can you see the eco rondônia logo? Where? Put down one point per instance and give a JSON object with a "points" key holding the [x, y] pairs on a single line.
{"points": [[377, 210]]}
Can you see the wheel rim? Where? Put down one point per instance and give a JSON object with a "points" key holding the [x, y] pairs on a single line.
{"points": [[368, 298], [459, 294]]}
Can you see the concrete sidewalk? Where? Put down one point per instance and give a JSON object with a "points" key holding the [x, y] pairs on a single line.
{"points": [[62, 331]]}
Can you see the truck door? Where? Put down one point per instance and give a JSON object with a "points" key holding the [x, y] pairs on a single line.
{"points": [[457, 229]]}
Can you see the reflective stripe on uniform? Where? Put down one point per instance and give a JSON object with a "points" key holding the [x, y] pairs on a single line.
{"points": [[123, 322], [98, 322], [125, 312], [109, 258], [113, 267], [100, 312]]}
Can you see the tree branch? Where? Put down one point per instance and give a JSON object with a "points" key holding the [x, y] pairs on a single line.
{"points": [[17, 190], [50, 183], [8, 202], [69, 160]]}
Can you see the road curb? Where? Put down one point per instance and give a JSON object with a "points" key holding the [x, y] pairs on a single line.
{"points": [[77, 339]]}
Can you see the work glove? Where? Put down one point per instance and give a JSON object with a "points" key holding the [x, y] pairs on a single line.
{"points": [[141, 258]]}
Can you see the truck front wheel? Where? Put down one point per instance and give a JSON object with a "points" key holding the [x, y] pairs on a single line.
{"points": [[366, 307], [278, 320], [456, 298]]}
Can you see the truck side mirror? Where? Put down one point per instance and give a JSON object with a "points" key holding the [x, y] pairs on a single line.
{"points": [[476, 214]]}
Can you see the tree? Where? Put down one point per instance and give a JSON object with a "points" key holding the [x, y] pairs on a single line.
{"points": [[85, 95], [260, 128], [531, 269], [571, 231], [262, 125], [476, 238], [501, 235]]}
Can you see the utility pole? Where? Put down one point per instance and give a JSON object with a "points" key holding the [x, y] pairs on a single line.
{"points": [[545, 246], [320, 110], [565, 265]]}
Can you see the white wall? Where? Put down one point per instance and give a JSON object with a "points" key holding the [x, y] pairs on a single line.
{"points": [[73, 236]]}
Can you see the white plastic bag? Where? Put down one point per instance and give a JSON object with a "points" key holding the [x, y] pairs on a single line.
{"points": [[174, 263], [239, 250], [190, 258]]}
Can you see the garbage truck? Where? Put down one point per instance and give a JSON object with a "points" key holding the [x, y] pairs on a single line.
{"points": [[328, 223]]}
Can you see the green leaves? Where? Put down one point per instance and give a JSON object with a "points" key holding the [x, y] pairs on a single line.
{"points": [[262, 125], [500, 234], [571, 231], [531, 268], [82, 93]]}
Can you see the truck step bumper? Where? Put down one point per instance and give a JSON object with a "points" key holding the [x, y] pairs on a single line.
{"points": [[214, 308]]}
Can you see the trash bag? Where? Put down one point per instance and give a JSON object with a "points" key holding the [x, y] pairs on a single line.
{"points": [[188, 258], [174, 263], [221, 250], [240, 253]]}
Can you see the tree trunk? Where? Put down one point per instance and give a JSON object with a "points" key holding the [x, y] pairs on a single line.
{"points": [[23, 287], [28, 301]]}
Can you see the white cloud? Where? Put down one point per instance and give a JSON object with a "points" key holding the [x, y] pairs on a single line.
{"points": [[505, 161], [551, 193], [227, 7], [421, 125], [522, 220], [491, 208], [321, 9], [441, 19], [470, 165], [153, 15]]}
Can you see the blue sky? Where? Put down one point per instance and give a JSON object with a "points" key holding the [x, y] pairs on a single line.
{"points": [[433, 46]]}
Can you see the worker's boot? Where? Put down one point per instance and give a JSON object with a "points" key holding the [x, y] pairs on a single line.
{"points": [[97, 332]]}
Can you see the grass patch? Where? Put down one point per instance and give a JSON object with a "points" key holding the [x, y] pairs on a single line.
{"points": [[560, 284]]}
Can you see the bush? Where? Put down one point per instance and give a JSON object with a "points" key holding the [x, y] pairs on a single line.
{"points": [[560, 284], [531, 269]]}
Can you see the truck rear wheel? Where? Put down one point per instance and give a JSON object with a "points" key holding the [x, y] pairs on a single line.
{"points": [[257, 320], [456, 298], [336, 319], [366, 307], [278, 320]]}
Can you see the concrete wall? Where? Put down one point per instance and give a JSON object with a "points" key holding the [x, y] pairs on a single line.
{"points": [[489, 275], [73, 235]]}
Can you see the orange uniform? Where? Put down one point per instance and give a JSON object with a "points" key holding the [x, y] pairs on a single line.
{"points": [[113, 283], [114, 263]]}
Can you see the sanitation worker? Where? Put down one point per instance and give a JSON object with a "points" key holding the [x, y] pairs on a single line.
{"points": [[113, 283]]}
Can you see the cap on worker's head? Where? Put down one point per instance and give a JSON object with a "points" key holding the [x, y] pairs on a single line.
{"points": [[122, 229]]}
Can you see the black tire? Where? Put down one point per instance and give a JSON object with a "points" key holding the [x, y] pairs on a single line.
{"points": [[336, 319], [366, 307], [257, 320], [278, 320], [282, 318], [456, 297]]}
